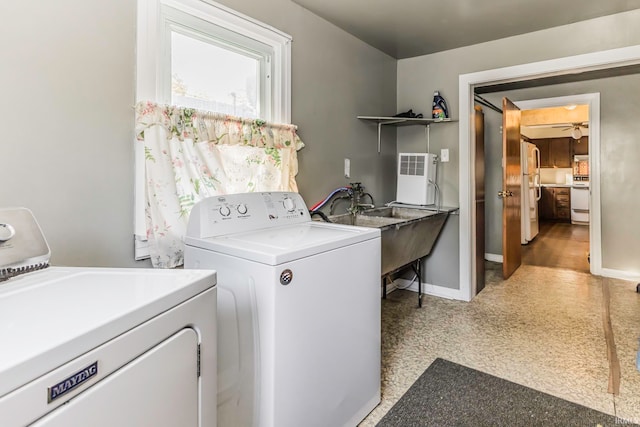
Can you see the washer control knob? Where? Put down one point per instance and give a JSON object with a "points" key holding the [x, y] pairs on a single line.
{"points": [[6, 232], [225, 211], [289, 204], [242, 209]]}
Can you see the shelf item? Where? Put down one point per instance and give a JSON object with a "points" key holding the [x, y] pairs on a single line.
{"points": [[400, 121]]}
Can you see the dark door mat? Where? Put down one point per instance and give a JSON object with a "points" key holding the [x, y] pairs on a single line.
{"points": [[448, 394]]}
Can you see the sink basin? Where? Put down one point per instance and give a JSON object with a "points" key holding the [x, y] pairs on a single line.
{"points": [[404, 214], [362, 220], [407, 234]]}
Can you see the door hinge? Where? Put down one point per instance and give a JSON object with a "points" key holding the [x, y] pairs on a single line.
{"points": [[198, 362]]}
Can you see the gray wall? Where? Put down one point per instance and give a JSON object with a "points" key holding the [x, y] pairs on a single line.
{"points": [[67, 90], [619, 153], [68, 87], [418, 77]]}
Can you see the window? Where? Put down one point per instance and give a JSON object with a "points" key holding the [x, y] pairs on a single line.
{"points": [[203, 55], [198, 81]]}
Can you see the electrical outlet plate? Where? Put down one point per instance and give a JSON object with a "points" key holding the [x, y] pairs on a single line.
{"points": [[347, 168], [444, 155]]}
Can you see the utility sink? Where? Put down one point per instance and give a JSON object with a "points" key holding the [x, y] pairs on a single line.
{"points": [[407, 234], [363, 220], [403, 214]]}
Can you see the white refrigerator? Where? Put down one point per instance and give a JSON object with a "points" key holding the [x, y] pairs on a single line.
{"points": [[531, 191]]}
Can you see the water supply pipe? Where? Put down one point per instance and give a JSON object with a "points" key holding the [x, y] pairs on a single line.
{"points": [[320, 204]]}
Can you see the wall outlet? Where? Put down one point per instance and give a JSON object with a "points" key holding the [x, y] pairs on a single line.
{"points": [[444, 155], [347, 168]]}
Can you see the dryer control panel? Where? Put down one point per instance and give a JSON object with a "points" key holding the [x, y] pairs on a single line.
{"points": [[233, 213]]}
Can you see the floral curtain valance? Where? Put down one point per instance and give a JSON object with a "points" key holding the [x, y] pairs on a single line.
{"points": [[191, 154]]}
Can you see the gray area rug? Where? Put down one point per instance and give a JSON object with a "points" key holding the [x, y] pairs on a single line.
{"points": [[448, 394]]}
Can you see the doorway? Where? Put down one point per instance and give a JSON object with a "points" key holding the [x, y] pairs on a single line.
{"points": [[598, 61], [563, 240]]}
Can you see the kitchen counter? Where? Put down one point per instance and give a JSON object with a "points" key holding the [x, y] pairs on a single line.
{"points": [[557, 185]]}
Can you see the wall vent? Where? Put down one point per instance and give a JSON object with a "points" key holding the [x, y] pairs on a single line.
{"points": [[412, 164]]}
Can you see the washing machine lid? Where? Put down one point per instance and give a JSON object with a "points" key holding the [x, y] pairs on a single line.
{"points": [[50, 317], [277, 245]]}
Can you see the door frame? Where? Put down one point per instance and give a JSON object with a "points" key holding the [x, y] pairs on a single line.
{"points": [[601, 60], [595, 223]]}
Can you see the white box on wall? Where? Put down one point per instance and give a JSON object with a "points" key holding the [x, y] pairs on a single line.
{"points": [[416, 178]]}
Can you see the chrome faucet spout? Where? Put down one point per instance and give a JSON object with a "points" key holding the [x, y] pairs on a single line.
{"points": [[356, 193]]}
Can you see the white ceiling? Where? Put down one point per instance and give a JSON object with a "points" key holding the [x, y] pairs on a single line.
{"points": [[408, 28]]}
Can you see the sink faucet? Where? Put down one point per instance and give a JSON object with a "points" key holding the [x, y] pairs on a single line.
{"points": [[357, 192]]}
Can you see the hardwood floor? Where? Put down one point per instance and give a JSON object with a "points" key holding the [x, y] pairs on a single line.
{"points": [[560, 245]]}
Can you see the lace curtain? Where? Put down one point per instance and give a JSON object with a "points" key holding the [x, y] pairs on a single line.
{"points": [[191, 154]]}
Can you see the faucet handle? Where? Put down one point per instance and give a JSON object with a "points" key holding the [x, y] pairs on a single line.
{"points": [[356, 186]]}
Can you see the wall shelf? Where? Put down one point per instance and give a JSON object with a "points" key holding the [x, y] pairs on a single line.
{"points": [[400, 121]]}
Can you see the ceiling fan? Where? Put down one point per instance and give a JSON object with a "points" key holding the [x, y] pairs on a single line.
{"points": [[576, 132]]}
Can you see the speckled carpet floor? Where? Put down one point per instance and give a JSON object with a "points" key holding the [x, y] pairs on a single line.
{"points": [[542, 328], [448, 394]]}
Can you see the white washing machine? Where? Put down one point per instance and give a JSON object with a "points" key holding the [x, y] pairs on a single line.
{"points": [[298, 311], [101, 347]]}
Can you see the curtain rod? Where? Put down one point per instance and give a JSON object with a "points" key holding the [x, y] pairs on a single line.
{"points": [[141, 106], [486, 103]]}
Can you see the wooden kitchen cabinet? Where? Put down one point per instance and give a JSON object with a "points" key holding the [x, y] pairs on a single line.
{"points": [[555, 204], [580, 146], [554, 152], [562, 203], [546, 205], [543, 146], [560, 152]]}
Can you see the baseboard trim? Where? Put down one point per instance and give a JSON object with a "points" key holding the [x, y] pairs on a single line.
{"points": [[605, 272], [427, 289], [493, 257], [620, 274]]}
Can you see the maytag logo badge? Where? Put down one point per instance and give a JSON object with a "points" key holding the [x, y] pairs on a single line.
{"points": [[75, 380]]}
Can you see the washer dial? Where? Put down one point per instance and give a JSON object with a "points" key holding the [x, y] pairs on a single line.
{"points": [[6, 232], [289, 204]]}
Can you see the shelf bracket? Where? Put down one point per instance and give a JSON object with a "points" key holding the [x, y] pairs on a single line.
{"points": [[387, 122]]}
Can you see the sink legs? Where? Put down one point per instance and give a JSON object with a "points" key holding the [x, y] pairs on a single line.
{"points": [[416, 266], [417, 269]]}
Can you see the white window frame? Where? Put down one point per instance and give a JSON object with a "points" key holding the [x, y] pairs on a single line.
{"points": [[155, 20]]}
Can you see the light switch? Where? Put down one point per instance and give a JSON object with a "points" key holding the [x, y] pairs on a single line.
{"points": [[444, 155], [347, 168]]}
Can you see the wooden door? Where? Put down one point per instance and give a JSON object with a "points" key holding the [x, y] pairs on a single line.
{"points": [[510, 194], [480, 202]]}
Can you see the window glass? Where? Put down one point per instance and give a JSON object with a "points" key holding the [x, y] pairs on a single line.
{"points": [[211, 77]]}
